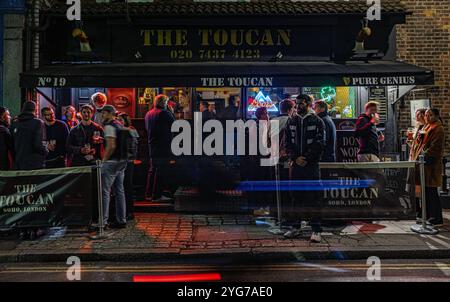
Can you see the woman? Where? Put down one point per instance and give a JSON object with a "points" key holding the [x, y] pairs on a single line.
{"points": [[70, 117], [415, 140], [432, 148], [125, 120]]}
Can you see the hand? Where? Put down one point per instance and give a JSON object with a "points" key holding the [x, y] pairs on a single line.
{"points": [[381, 138], [85, 150], [51, 147], [301, 161], [92, 151]]}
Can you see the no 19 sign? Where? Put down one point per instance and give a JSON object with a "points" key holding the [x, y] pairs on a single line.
{"points": [[51, 82]]}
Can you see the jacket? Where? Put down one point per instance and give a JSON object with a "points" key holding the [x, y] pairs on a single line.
{"points": [[6, 147], [433, 150], [158, 123], [78, 137], [329, 155], [28, 134], [367, 135], [305, 136]]}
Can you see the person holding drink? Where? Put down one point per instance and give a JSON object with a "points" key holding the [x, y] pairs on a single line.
{"points": [[85, 140], [369, 138]]}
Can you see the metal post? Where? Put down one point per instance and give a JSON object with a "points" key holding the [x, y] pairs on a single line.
{"points": [[423, 228], [277, 230], [101, 226]]}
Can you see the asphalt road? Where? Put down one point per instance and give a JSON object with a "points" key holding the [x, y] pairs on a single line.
{"points": [[434, 270]]}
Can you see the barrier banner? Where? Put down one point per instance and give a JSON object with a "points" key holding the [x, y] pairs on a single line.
{"points": [[45, 198], [358, 191]]}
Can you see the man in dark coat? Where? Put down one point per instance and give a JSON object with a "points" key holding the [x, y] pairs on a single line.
{"points": [[321, 110], [158, 123], [28, 134], [6, 142]]}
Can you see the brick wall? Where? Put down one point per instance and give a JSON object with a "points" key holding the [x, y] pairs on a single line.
{"points": [[425, 41]]}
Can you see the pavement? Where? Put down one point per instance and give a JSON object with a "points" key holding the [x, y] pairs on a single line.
{"points": [[165, 236]]}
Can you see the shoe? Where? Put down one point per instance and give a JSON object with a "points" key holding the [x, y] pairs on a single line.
{"points": [[161, 199], [316, 237], [118, 226], [294, 233]]}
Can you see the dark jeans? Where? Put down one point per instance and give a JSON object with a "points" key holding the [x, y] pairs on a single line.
{"points": [[156, 178], [307, 198], [128, 186], [434, 206]]}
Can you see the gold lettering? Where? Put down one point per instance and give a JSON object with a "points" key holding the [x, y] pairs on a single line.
{"points": [[234, 37], [249, 36], [204, 36], [267, 39], [181, 37], [285, 35], [220, 37], [146, 34], [164, 37]]}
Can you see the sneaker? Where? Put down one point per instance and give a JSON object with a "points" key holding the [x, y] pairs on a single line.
{"points": [[118, 226], [162, 199], [316, 237], [294, 233]]}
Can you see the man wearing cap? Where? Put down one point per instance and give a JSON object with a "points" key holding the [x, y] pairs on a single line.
{"points": [[113, 169], [29, 135], [6, 142]]}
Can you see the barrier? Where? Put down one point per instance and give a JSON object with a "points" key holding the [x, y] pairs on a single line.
{"points": [[45, 198]]}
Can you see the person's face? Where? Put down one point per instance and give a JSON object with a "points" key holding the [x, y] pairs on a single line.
{"points": [[6, 118], [302, 107], [202, 107], [107, 116], [264, 116], [211, 107], [372, 110], [430, 117], [49, 116], [420, 117], [86, 114], [70, 113], [318, 109], [237, 101]]}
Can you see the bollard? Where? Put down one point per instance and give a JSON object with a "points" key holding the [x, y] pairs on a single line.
{"points": [[423, 228], [444, 175]]}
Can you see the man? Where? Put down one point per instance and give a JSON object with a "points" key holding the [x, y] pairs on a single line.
{"points": [[232, 111], [98, 100], [28, 134], [287, 110], [158, 123], [6, 142], [70, 117], [56, 134], [85, 140], [368, 136], [206, 114], [113, 169], [305, 142], [321, 110]]}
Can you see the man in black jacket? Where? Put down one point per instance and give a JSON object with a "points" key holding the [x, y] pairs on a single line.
{"points": [[368, 136], [29, 135], [158, 123], [305, 142], [321, 110], [85, 140], [6, 142], [56, 133]]}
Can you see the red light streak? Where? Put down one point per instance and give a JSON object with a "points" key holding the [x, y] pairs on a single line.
{"points": [[179, 278]]}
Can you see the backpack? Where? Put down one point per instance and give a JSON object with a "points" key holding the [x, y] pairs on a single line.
{"points": [[127, 144]]}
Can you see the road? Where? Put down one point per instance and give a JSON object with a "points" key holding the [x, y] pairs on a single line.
{"points": [[391, 270]]}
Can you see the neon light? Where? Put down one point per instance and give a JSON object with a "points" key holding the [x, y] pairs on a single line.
{"points": [[179, 278], [328, 93], [262, 101]]}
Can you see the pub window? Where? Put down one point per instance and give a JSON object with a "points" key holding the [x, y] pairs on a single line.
{"points": [[267, 97], [341, 100], [219, 100]]}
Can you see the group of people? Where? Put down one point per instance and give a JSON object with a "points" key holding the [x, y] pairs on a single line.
{"points": [[30, 143]]}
